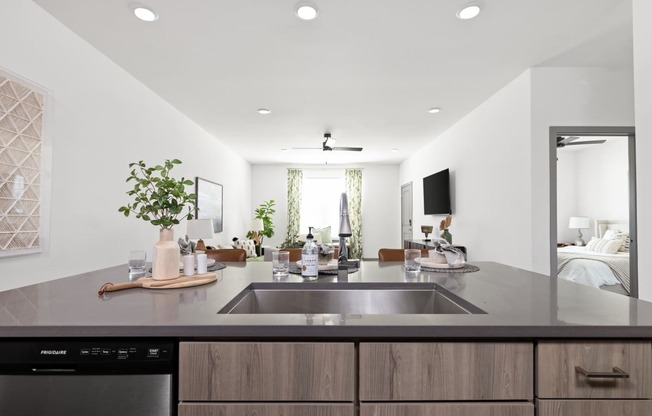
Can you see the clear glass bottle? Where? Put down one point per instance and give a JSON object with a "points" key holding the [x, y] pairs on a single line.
{"points": [[309, 253]]}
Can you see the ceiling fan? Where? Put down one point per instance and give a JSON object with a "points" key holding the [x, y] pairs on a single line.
{"points": [[329, 145], [568, 141]]}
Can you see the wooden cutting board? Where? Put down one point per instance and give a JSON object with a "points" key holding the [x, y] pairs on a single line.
{"points": [[149, 283]]}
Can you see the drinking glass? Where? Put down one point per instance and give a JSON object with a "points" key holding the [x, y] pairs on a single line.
{"points": [[280, 264], [412, 260], [137, 263]]}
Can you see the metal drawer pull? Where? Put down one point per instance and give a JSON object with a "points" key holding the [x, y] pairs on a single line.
{"points": [[617, 373]]}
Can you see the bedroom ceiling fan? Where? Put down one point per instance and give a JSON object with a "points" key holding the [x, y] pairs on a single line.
{"points": [[568, 141], [329, 145]]}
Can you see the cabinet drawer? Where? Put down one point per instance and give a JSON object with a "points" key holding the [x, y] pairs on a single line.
{"points": [[265, 409], [446, 371], [447, 409], [594, 407], [266, 371], [558, 378]]}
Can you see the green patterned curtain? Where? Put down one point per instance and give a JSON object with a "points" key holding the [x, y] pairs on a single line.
{"points": [[295, 179], [353, 179]]}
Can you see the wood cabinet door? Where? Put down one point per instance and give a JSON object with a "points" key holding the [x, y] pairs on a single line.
{"points": [[266, 409], [557, 377], [594, 408], [225, 371], [447, 409], [446, 371]]}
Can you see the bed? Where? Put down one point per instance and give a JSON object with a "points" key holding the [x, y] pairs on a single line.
{"points": [[596, 264]]}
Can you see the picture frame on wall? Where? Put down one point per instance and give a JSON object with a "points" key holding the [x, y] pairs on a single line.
{"points": [[210, 202]]}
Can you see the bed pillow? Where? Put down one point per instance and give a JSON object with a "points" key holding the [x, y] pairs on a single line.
{"points": [[625, 238], [610, 234], [618, 235], [600, 245]]}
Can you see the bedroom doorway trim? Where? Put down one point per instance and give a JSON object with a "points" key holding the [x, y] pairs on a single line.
{"points": [[630, 133]]}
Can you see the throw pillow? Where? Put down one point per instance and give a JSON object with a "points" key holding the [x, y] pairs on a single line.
{"points": [[600, 245], [325, 233], [247, 245]]}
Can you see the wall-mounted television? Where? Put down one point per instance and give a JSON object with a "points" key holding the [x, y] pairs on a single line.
{"points": [[436, 193]]}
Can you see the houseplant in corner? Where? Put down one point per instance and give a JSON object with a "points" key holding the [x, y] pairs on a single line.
{"points": [[160, 200], [264, 212]]}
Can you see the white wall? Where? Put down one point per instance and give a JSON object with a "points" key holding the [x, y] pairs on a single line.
{"points": [[499, 158], [381, 216], [603, 182], [569, 97], [599, 178], [487, 153], [642, 9], [566, 195], [103, 119]]}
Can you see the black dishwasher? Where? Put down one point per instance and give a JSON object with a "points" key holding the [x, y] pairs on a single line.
{"points": [[87, 377]]}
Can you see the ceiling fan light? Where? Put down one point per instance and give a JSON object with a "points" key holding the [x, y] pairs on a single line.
{"points": [[330, 142]]}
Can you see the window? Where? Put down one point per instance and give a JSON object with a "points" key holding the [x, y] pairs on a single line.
{"points": [[320, 199]]}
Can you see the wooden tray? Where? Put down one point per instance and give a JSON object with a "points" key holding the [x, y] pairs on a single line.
{"points": [[149, 283]]}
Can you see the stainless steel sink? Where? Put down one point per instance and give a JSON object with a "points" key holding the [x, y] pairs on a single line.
{"points": [[349, 301]]}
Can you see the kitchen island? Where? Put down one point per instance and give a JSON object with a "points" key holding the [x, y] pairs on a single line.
{"points": [[517, 303], [530, 344]]}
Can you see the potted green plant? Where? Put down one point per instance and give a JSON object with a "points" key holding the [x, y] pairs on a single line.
{"points": [[264, 212], [160, 199]]}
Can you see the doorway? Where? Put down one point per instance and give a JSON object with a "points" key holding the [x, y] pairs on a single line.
{"points": [[592, 202], [406, 212]]}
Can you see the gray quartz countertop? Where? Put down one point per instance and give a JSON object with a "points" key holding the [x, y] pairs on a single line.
{"points": [[518, 304]]}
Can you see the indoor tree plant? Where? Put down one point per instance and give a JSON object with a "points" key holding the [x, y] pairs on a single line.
{"points": [[160, 199], [264, 212]]}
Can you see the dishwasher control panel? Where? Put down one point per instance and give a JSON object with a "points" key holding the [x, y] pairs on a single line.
{"points": [[91, 351]]}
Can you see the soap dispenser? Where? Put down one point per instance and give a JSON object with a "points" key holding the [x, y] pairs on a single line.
{"points": [[309, 268]]}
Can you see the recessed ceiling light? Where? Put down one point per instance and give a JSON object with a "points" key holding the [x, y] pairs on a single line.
{"points": [[264, 111], [469, 11], [434, 110], [145, 15], [284, 150], [394, 150], [306, 11]]}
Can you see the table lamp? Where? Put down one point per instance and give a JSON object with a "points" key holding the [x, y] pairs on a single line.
{"points": [[255, 226], [579, 223], [426, 229], [200, 229]]}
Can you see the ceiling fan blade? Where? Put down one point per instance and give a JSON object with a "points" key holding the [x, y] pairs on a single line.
{"points": [[586, 142], [348, 149], [306, 148], [563, 141]]}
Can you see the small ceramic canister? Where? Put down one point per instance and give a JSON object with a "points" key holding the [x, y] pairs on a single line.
{"points": [[202, 261], [188, 265]]}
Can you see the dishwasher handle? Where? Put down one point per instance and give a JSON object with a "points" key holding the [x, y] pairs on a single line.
{"points": [[54, 370]]}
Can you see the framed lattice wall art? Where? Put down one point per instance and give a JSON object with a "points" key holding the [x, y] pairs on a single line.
{"points": [[24, 166]]}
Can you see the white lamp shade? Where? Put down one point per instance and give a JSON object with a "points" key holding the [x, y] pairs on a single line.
{"points": [[257, 225], [579, 222], [199, 229]]}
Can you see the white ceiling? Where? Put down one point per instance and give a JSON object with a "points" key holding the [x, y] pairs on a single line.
{"points": [[365, 70]]}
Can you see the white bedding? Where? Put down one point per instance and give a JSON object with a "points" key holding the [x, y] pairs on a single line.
{"points": [[590, 272]]}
